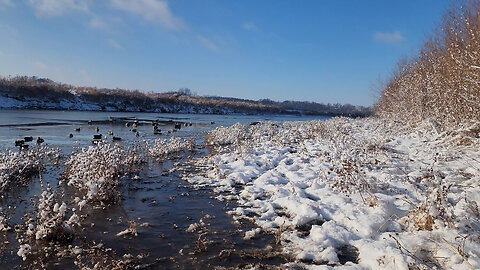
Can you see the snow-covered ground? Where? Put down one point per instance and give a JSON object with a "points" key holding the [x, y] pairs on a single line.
{"points": [[354, 194]]}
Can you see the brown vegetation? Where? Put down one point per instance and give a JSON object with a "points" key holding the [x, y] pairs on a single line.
{"points": [[23, 88], [442, 82]]}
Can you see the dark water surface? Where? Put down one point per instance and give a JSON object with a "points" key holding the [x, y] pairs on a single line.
{"points": [[55, 126], [161, 204]]}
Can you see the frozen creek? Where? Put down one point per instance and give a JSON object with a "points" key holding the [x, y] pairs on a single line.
{"points": [[118, 204]]}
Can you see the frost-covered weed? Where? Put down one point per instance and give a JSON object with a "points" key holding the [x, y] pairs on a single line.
{"points": [[53, 223], [100, 257], [24, 251], [292, 132], [227, 135], [262, 131], [433, 209], [18, 167], [131, 230], [97, 170], [163, 148]]}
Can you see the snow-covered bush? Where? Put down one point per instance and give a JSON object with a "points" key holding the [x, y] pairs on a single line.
{"points": [[227, 135], [434, 210], [163, 148], [18, 167], [52, 223], [97, 170], [262, 131]]}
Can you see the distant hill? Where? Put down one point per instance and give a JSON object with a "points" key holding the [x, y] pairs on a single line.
{"points": [[22, 92]]}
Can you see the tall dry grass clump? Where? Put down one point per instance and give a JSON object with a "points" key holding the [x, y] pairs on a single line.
{"points": [[442, 82]]}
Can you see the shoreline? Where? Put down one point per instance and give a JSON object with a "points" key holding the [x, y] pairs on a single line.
{"points": [[298, 114]]}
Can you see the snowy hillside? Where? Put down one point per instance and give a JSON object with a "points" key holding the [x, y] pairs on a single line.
{"points": [[36, 93]]}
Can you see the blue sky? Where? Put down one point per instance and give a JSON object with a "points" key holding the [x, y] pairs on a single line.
{"points": [[323, 51]]}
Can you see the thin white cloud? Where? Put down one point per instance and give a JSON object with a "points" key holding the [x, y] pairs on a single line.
{"points": [[98, 23], [250, 26], [151, 10], [6, 3], [207, 43], [52, 8], [115, 44], [389, 38]]}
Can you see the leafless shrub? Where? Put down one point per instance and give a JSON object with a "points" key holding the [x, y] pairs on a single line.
{"points": [[222, 136], [279, 232], [52, 223], [350, 178], [97, 171], [443, 81], [163, 148], [19, 167], [201, 244], [435, 207]]}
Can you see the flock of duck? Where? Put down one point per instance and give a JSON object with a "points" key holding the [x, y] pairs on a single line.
{"points": [[23, 143], [132, 125]]}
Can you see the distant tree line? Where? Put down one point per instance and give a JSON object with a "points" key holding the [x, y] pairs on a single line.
{"points": [[25, 88], [442, 82], [307, 107]]}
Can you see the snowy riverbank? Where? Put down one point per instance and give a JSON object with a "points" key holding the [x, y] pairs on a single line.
{"points": [[79, 104], [360, 194]]}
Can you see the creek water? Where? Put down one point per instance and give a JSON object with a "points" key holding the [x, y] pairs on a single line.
{"points": [[161, 204]]}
